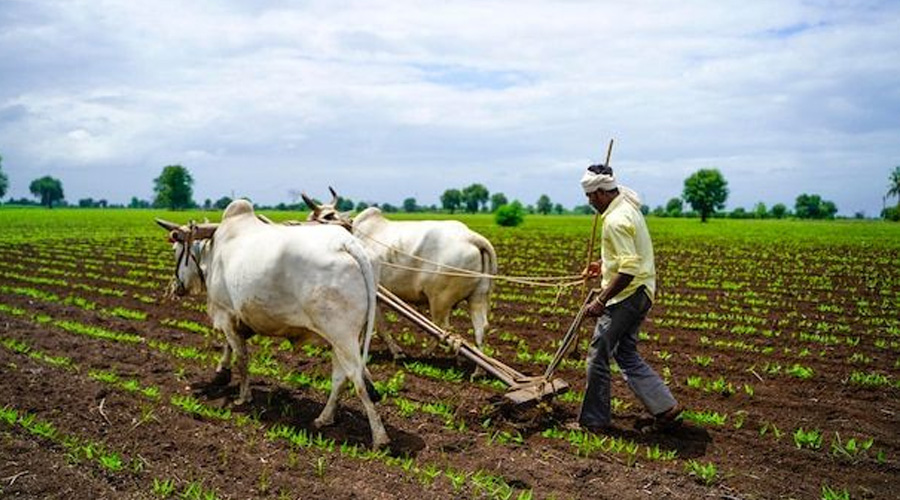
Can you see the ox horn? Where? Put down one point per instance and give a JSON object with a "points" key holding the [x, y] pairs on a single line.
{"points": [[334, 196], [168, 226], [309, 202]]}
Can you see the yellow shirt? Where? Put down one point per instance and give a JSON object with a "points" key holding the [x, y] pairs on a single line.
{"points": [[626, 248]]}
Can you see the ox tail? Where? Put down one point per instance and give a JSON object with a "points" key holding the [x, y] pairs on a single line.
{"points": [[488, 263], [368, 268]]}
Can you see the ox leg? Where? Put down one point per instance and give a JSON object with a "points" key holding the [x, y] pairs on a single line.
{"points": [[440, 314], [223, 370], [239, 345], [338, 379], [354, 368], [385, 333], [478, 310]]}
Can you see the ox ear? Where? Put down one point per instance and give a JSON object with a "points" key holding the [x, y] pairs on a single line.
{"points": [[168, 226], [334, 196], [310, 203]]}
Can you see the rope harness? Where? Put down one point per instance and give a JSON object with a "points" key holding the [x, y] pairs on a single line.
{"points": [[545, 281], [187, 252]]}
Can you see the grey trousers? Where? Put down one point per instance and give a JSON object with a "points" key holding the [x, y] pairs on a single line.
{"points": [[616, 335]]}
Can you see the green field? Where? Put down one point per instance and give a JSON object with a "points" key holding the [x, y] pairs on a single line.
{"points": [[782, 338], [62, 223]]}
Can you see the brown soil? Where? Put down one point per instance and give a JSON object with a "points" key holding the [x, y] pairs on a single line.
{"points": [[235, 459]]}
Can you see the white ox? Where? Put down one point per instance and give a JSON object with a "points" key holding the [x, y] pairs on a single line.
{"points": [[420, 262], [285, 282]]}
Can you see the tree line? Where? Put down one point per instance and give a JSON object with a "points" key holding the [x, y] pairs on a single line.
{"points": [[705, 192]]}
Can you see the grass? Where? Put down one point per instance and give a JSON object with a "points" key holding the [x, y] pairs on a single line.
{"points": [[820, 332], [706, 474]]}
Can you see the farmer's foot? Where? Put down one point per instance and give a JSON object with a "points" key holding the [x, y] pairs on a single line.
{"points": [[665, 421], [592, 428]]}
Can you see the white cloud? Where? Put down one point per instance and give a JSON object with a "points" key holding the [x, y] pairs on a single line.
{"points": [[386, 100]]}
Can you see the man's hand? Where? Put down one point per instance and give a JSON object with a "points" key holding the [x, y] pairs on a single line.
{"points": [[595, 308], [592, 270]]}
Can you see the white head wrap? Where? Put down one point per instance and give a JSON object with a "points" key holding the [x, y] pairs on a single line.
{"points": [[591, 182]]}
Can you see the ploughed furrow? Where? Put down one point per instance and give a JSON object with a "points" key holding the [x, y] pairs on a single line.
{"points": [[158, 441], [277, 406]]}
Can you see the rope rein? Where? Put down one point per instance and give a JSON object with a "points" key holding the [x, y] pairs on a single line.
{"points": [[547, 281]]}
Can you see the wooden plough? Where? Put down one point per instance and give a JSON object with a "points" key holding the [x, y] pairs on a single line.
{"points": [[523, 389]]}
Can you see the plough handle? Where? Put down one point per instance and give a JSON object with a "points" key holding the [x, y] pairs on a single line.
{"points": [[570, 337]]}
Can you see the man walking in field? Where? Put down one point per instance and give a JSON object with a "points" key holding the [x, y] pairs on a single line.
{"points": [[628, 282]]}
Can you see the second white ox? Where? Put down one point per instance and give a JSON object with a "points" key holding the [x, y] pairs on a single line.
{"points": [[287, 282], [424, 262]]}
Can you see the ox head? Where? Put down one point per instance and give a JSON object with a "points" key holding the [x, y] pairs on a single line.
{"points": [[327, 213], [190, 243]]}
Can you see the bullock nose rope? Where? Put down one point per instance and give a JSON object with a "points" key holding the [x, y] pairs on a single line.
{"points": [[545, 281]]}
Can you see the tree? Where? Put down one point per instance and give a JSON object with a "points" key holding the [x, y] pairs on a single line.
{"points": [[4, 181], [48, 189], [360, 206], [706, 191], [812, 206], [893, 187], [891, 213], [510, 215], [738, 213], [344, 204], [222, 203], [409, 205], [544, 205], [475, 196], [583, 209], [451, 199], [675, 207], [779, 210], [173, 188], [558, 209], [760, 211], [497, 201], [138, 203]]}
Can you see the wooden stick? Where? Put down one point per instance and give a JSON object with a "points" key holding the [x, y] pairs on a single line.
{"points": [[609, 151], [590, 252]]}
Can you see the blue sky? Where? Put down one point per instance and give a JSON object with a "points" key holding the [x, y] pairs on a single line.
{"points": [[385, 100]]}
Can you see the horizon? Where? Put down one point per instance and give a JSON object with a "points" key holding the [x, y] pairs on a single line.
{"points": [[784, 98]]}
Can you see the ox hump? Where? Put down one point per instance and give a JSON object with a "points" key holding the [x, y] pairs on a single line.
{"points": [[236, 208]]}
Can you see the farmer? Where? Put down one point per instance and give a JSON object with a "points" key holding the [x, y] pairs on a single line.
{"points": [[627, 286]]}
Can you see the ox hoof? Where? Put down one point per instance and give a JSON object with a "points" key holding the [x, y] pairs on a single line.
{"points": [[241, 402], [322, 422], [381, 443], [222, 378]]}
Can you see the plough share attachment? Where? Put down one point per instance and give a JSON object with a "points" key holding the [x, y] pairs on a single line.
{"points": [[522, 389]]}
